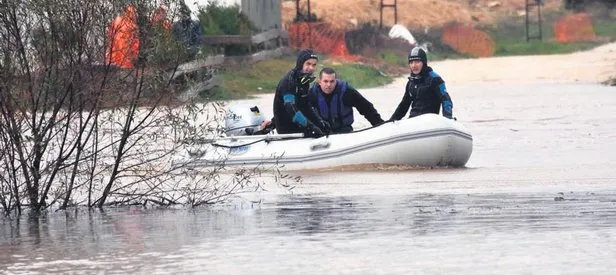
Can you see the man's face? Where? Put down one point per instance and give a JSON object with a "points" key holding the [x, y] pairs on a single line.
{"points": [[327, 82], [415, 66], [309, 66], [185, 17]]}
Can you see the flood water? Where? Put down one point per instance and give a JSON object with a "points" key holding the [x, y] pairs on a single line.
{"points": [[538, 196]]}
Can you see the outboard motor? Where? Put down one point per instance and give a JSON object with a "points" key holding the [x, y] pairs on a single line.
{"points": [[242, 120]]}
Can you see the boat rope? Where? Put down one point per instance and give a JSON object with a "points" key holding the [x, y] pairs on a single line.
{"points": [[363, 129], [236, 128], [239, 145], [270, 140]]}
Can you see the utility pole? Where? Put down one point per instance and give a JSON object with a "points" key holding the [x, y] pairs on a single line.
{"points": [[309, 13], [394, 6], [297, 13]]}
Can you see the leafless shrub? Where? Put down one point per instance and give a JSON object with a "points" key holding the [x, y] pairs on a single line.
{"points": [[76, 130]]}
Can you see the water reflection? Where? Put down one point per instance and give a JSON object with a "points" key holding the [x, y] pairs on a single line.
{"points": [[134, 240], [434, 214], [312, 214]]}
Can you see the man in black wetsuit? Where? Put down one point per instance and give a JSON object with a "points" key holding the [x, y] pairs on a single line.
{"points": [[425, 91], [293, 111]]}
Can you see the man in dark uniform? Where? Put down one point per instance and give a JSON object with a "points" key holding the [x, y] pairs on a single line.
{"points": [[293, 112], [188, 32], [335, 100], [425, 91]]}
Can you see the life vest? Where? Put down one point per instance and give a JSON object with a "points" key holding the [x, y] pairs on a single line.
{"points": [[336, 113]]}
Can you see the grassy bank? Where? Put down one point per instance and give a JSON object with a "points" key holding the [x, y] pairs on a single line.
{"points": [[510, 36], [262, 77]]}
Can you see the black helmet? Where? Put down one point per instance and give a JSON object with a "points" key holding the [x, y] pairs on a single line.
{"points": [[418, 53]]}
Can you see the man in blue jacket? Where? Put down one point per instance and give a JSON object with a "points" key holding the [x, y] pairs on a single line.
{"points": [[335, 100], [425, 91], [188, 32]]}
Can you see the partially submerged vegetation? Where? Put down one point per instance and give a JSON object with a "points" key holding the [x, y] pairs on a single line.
{"points": [[77, 131]]}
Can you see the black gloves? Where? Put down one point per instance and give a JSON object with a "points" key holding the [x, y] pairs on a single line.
{"points": [[380, 123], [318, 131], [325, 127], [313, 131], [303, 84], [306, 79]]}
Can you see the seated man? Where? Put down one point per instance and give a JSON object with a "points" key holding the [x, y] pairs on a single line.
{"points": [[293, 112], [335, 100]]}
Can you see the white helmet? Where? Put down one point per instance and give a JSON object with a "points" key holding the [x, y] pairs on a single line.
{"points": [[242, 119]]}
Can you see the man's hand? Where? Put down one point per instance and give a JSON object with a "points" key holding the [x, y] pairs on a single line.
{"points": [[313, 131], [265, 127], [306, 79], [381, 123], [327, 129], [266, 123]]}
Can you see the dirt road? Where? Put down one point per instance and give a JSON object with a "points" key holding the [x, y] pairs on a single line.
{"points": [[592, 66]]}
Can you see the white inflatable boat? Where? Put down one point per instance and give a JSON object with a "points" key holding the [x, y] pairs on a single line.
{"points": [[429, 140]]}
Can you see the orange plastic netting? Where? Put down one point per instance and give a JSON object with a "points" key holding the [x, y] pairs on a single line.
{"points": [[468, 40], [320, 37], [573, 28]]}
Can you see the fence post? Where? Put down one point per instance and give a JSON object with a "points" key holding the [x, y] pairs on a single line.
{"points": [[394, 6], [529, 5]]}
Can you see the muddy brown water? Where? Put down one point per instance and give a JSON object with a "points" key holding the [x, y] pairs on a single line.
{"points": [[538, 196]]}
